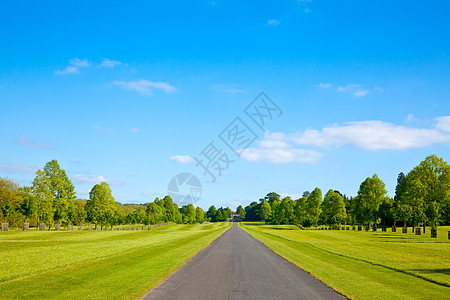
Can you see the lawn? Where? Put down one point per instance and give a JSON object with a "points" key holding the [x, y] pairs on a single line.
{"points": [[366, 265], [96, 264]]}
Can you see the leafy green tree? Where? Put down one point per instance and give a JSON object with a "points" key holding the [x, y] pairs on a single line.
{"points": [[300, 216], [80, 212], [333, 208], [28, 207], [271, 197], [42, 193], [7, 210], [284, 213], [241, 211], [265, 211], [371, 194], [63, 191], [428, 183], [101, 205], [211, 213], [9, 197], [190, 214], [313, 207], [252, 211], [199, 215], [155, 213]]}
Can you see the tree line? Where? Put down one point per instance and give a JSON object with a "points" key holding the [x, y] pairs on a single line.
{"points": [[51, 199], [422, 197]]}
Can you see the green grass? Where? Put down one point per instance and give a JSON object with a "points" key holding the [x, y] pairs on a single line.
{"points": [[366, 265], [96, 264]]}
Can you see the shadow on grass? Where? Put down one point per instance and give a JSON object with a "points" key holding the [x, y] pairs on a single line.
{"points": [[432, 271]]}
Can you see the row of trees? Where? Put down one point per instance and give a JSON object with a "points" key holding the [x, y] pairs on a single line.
{"points": [[422, 197], [51, 199]]}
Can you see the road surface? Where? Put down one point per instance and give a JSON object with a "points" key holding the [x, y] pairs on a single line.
{"points": [[237, 266]]}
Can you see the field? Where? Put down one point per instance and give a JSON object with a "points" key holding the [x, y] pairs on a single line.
{"points": [[96, 264], [366, 265]]}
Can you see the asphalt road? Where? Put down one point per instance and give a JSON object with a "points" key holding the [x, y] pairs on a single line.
{"points": [[237, 266]]}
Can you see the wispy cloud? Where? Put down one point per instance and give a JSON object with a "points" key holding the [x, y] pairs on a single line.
{"points": [[292, 196], [80, 63], [145, 87], [135, 130], [227, 88], [443, 123], [21, 168], [93, 179], [355, 89], [183, 159], [73, 68], [105, 130], [68, 70], [27, 141], [368, 135], [110, 64], [273, 22], [324, 85], [281, 155]]}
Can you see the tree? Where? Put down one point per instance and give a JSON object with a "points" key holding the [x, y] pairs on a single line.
{"points": [[101, 205], [241, 211], [9, 197], [28, 207], [41, 190], [428, 183], [371, 194], [265, 211], [333, 208], [7, 210], [300, 210], [306, 194], [62, 189], [199, 215], [155, 213], [211, 214], [284, 213], [313, 207], [271, 197], [190, 214]]}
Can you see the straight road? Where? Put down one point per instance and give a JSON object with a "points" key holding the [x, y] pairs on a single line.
{"points": [[237, 266]]}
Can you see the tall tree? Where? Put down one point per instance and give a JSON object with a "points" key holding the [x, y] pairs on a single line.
{"points": [[190, 214], [241, 211], [101, 205], [333, 208], [42, 193], [313, 207], [62, 189], [155, 213], [199, 215], [300, 210], [211, 214], [371, 194], [265, 211]]}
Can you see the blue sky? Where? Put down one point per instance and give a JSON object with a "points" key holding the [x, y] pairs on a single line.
{"points": [[132, 92]]}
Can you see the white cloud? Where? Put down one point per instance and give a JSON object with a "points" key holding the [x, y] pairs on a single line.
{"points": [[354, 89], [134, 130], [307, 10], [443, 123], [83, 192], [27, 141], [144, 86], [80, 63], [369, 135], [82, 178], [68, 70], [12, 168], [281, 155], [324, 85], [273, 22], [184, 159], [101, 129], [75, 64], [108, 63], [227, 88]]}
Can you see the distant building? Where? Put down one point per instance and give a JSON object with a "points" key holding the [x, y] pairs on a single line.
{"points": [[234, 218]]}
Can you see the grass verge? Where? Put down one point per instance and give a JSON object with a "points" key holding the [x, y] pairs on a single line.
{"points": [[366, 265], [96, 265]]}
